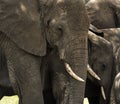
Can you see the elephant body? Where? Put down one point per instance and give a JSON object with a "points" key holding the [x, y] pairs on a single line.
{"points": [[27, 27], [104, 13]]}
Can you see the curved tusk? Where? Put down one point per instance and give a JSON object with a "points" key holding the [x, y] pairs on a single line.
{"points": [[69, 70], [103, 93], [89, 69]]}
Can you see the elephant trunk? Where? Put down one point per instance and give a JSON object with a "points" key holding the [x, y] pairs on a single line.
{"points": [[76, 59]]}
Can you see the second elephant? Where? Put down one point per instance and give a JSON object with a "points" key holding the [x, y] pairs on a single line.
{"points": [[103, 59]]}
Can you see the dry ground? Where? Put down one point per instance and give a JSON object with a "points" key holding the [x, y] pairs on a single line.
{"points": [[14, 100]]}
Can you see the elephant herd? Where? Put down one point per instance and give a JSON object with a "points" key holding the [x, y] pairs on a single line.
{"points": [[60, 51]]}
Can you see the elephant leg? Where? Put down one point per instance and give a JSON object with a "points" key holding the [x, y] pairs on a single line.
{"points": [[24, 71]]}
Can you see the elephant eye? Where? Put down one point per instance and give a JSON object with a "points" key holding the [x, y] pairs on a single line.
{"points": [[59, 28], [55, 27], [58, 32], [55, 32]]}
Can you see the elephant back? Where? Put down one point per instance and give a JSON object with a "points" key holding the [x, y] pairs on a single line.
{"points": [[20, 21]]}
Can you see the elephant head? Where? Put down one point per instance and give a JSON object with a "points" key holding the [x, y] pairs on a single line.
{"points": [[60, 30], [60, 23]]}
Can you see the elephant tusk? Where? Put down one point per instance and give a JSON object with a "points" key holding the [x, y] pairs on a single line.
{"points": [[103, 93], [89, 69], [69, 70]]}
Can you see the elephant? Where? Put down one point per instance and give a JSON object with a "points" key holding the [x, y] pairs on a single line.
{"points": [[104, 13], [104, 59], [101, 60], [27, 28]]}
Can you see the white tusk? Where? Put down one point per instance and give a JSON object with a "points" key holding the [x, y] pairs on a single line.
{"points": [[69, 70], [103, 93], [89, 69]]}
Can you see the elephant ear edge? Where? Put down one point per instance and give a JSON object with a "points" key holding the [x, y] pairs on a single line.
{"points": [[20, 21]]}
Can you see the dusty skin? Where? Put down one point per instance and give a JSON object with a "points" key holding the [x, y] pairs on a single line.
{"points": [[14, 100]]}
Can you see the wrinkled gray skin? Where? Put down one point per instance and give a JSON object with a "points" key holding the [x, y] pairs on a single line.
{"points": [[104, 61], [26, 27], [104, 13]]}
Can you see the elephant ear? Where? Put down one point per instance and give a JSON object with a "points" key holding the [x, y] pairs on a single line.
{"points": [[20, 20]]}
